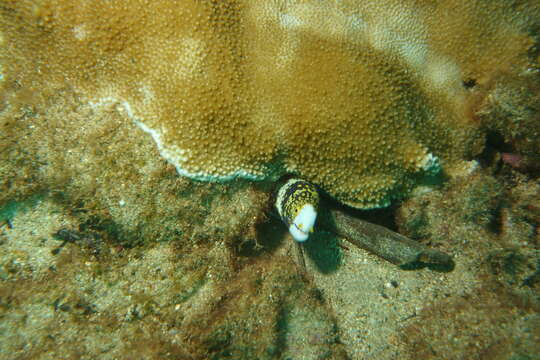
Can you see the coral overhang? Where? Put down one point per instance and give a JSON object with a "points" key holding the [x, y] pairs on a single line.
{"points": [[357, 97]]}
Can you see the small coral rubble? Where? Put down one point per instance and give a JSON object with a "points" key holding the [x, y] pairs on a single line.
{"points": [[352, 96]]}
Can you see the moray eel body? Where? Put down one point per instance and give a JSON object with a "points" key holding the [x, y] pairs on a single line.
{"points": [[297, 204]]}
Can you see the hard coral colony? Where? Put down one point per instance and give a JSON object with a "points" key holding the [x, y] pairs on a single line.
{"points": [[358, 97]]}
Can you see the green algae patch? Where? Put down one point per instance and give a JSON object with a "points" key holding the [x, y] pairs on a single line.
{"points": [[9, 210]]}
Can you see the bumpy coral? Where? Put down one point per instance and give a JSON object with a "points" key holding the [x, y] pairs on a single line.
{"points": [[357, 97]]}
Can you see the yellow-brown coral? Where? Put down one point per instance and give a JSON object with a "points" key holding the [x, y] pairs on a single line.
{"points": [[355, 96]]}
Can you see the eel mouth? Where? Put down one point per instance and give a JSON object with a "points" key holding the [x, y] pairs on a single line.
{"points": [[299, 228], [303, 223]]}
